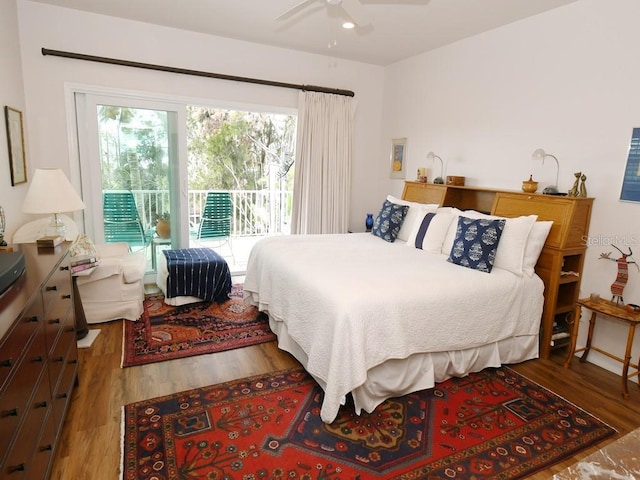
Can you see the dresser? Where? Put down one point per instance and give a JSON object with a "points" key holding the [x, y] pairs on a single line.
{"points": [[38, 362], [561, 262]]}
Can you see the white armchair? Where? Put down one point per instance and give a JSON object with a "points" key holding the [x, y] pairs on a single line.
{"points": [[115, 288]]}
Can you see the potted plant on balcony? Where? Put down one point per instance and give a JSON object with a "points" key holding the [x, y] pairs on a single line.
{"points": [[163, 225]]}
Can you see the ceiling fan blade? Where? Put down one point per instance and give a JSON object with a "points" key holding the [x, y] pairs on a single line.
{"points": [[295, 9], [356, 12]]}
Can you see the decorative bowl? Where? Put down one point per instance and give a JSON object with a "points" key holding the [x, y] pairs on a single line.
{"points": [[529, 186]]}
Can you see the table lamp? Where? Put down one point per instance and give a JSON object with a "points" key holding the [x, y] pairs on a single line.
{"points": [[540, 154], [51, 193], [432, 156]]}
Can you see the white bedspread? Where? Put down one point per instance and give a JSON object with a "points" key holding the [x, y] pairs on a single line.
{"points": [[354, 301]]}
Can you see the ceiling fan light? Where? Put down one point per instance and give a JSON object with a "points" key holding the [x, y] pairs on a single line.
{"points": [[348, 25]]}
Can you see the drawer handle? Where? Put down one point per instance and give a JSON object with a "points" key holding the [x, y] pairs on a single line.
{"points": [[52, 288], [33, 319], [46, 447], [57, 359], [16, 468], [9, 413], [66, 296], [62, 395], [70, 329], [38, 358], [41, 405], [73, 362], [7, 363], [54, 320], [64, 267]]}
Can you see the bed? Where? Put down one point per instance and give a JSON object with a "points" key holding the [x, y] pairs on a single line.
{"points": [[375, 319]]}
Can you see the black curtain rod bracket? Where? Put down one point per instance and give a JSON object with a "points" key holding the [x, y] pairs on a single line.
{"points": [[197, 73]]}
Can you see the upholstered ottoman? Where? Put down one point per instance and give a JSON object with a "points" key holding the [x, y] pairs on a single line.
{"points": [[190, 275]]}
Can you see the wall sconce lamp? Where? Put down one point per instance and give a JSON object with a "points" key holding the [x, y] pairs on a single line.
{"points": [[540, 154], [432, 156], [52, 193]]}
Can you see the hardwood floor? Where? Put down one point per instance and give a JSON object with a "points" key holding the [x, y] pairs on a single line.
{"points": [[90, 445]]}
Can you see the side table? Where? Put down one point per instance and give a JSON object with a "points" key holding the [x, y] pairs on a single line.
{"points": [[609, 311], [155, 243]]}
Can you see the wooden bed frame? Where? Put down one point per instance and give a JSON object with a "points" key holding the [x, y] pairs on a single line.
{"points": [[564, 250]]}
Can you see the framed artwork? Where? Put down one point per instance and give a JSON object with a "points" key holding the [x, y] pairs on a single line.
{"points": [[631, 182], [398, 158], [15, 139]]}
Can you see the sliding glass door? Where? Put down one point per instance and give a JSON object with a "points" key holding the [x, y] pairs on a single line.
{"points": [[131, 173], [220, 178]]}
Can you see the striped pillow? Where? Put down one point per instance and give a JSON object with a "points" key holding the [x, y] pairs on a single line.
{"points": [[429, 233]]}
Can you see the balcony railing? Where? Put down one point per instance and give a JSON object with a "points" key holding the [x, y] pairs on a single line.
{"points": [[255, 212]]}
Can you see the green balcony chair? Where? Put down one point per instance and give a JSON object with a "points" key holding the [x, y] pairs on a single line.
{"points": [[122, 220], [215, 223]]}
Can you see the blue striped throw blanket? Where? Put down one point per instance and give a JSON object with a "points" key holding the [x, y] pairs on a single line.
{"points": [[197, 272]]}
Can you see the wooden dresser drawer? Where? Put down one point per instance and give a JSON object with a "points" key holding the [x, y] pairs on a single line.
{"points": [[63, 351], [62, 395], [14, 399], [14, 343], [20, 457]]}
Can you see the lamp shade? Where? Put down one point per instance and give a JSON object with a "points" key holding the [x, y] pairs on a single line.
{"points": [[51, 192]]}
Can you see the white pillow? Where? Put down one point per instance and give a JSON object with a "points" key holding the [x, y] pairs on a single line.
{"points": [[415, 213], [447, 244], [510, 253], [535, 243], [435, 234]]}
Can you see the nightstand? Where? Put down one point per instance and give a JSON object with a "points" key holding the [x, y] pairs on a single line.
{"points": [[609, 311]]}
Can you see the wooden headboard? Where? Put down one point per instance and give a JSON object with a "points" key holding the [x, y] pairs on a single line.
{"points": [[563, 251]]}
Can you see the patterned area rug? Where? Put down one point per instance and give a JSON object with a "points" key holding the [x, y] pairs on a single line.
{"points": [[489, 425], [165, 332]]}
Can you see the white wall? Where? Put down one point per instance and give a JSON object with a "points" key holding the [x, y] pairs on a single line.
{"points": [[11, 94], [566, 81], [68, 30]]}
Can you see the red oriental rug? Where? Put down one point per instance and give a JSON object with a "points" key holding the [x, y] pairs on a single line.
{"points": [[166, 333], [489, 425]]}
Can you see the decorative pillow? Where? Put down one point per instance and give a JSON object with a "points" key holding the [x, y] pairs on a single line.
{"points": [[510, 254], [415, 214], [429, 233], [535, 243], [389, 221], [83, 246], [476, 243]]}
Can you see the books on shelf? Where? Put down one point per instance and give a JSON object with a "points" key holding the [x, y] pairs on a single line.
{"points": [[80, 267], [49, 241], [82, 259]]}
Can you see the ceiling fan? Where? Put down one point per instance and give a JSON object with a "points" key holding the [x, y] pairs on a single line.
{"points": [[353, 9]]}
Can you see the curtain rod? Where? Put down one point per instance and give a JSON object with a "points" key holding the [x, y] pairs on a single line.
{"points": [[197, 73]]}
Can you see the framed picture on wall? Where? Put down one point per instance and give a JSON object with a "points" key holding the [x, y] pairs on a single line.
{"points": [[398, 162], [15, 140], [631, 181]]}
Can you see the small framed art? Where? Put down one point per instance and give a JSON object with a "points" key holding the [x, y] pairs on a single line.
{"points": [[631, 182], [398, 158], [15, 139]]}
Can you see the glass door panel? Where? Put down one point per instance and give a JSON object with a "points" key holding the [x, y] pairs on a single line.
{"points": [[131, 175]]}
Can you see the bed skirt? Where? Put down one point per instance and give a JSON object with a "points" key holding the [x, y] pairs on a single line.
{"points": [[420, 371]]}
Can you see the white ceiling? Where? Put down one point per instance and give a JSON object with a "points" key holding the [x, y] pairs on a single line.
{"points": [[399, 29]]}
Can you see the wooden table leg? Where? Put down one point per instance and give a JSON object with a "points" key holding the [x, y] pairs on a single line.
{"points": [[587, 347], [574, 335], [627, 360]]}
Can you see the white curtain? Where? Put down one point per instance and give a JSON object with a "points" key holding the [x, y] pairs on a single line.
{"points": [[322, 180]]}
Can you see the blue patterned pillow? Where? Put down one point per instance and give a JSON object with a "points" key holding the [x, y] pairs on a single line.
{"points": [[476, 243], [389, 221]]}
